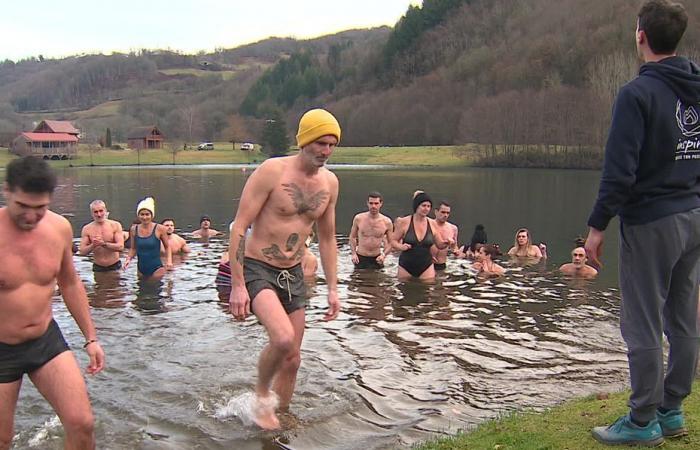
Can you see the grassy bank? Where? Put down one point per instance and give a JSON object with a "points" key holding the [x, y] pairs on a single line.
{"points": [[439, 156], [567, 426]]}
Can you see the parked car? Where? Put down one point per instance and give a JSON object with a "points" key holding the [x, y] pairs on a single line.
{"points": [[247, 146], [205, 146]]}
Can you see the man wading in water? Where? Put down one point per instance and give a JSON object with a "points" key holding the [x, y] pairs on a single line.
{"points": [[282, 199]]}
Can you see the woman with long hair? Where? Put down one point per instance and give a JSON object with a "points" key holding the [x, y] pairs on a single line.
{"points": [[523, 247]]}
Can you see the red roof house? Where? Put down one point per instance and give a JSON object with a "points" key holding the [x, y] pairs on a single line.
{"points": [[51, 139]]}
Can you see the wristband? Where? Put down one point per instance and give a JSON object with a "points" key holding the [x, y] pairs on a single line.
{"points": [[91, 341]]}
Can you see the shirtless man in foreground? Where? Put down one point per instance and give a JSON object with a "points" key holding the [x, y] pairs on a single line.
{"points": [[282, 199], [36, 248], [369, 235], [104, 238], [578, 267]]}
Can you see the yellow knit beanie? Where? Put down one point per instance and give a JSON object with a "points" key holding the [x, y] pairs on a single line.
{"points": [[316, 123]]}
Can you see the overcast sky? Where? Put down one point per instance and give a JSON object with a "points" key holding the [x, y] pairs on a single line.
{"points": [[60, 28]]}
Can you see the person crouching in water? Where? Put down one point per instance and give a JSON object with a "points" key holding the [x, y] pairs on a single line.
{"points": [[484, 261]]}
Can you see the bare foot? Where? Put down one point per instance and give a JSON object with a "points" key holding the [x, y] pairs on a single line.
{"points": [[264, 412]]}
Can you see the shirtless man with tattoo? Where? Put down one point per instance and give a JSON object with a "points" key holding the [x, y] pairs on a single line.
{"points": [[103, 238], [282, 199], [369, 235], [37, 257]]}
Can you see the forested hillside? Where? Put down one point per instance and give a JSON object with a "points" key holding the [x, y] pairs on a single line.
{"points": [[513, 72]]}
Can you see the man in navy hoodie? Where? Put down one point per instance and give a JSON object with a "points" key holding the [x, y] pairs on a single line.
{"points": [[651, 179]]}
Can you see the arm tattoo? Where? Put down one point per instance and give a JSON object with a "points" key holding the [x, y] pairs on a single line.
{"points": [[303, 203], [240, 251], [291, 241]]}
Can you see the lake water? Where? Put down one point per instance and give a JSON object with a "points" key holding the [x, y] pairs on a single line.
{"points": [[402, 363]]}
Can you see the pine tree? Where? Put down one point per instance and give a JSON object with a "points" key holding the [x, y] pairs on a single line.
{"points": [[274, 137]]}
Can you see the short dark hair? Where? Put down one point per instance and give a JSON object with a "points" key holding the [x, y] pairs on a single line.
{"points": [[30, 174], [166, 219], [663, 24], [203, 218], [375, 194], [444, 203], [492, 250]]}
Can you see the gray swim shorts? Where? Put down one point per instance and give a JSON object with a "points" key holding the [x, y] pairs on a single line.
{"points": [[288, 284]]}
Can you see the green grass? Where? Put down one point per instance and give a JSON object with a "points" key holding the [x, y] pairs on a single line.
{"points": [[567, 426], [406, 156], [224, 154], [420, 156]]}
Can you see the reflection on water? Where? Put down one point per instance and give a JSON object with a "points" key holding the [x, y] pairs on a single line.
{"points": [[403, 362]]}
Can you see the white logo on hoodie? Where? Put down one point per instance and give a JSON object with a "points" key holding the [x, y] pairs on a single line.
{"points": [[688, 119]]}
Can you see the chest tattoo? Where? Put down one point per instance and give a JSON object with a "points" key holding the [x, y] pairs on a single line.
{"points": [[305, 203]]}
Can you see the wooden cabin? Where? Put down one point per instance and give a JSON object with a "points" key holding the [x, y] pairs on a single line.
{"points": [[146, 138], [51, 139], [46, 145]]}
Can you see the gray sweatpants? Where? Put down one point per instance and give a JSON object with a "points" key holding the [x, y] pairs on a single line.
{"points": [[659, 275]]}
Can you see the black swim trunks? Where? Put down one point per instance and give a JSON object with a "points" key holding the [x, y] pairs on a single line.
{"points": [[98, 268], [440, 266], [26, 357], [288, 284], [367, 262]]}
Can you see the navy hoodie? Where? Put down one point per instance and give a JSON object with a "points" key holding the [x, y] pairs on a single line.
{"points": [[652, 157]]}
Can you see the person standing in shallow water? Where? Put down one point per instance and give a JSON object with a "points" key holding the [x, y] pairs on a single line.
{"points": [[369, 233], [146, 240], [36, 245], [282, 199], [103, 238], [416, 259], [651, 179], [447, 230]]}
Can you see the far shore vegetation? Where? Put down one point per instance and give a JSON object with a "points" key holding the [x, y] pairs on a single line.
{"points": [[567, 426], [469, 155]]}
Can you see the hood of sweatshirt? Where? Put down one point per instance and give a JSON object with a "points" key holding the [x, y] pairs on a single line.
{"points": [[680, 74]]}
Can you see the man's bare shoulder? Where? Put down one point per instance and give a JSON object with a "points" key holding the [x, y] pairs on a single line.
{"points": [[330, 176], [116, 226], [386, 219], [273, 165], [87, 227], [360, 216], [58, 223]]}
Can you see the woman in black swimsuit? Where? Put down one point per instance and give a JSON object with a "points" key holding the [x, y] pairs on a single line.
{"points": [[416, 260]]}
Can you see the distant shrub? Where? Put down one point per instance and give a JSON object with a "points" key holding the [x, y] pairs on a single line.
{"points": [[116, 147]]}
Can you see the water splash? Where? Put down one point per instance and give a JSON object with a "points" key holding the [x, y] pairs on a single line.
{"points": [[42, 435], [240, 406]]}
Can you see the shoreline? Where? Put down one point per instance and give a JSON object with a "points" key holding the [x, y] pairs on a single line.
{"points": [[468, 155], [565, 426]]}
